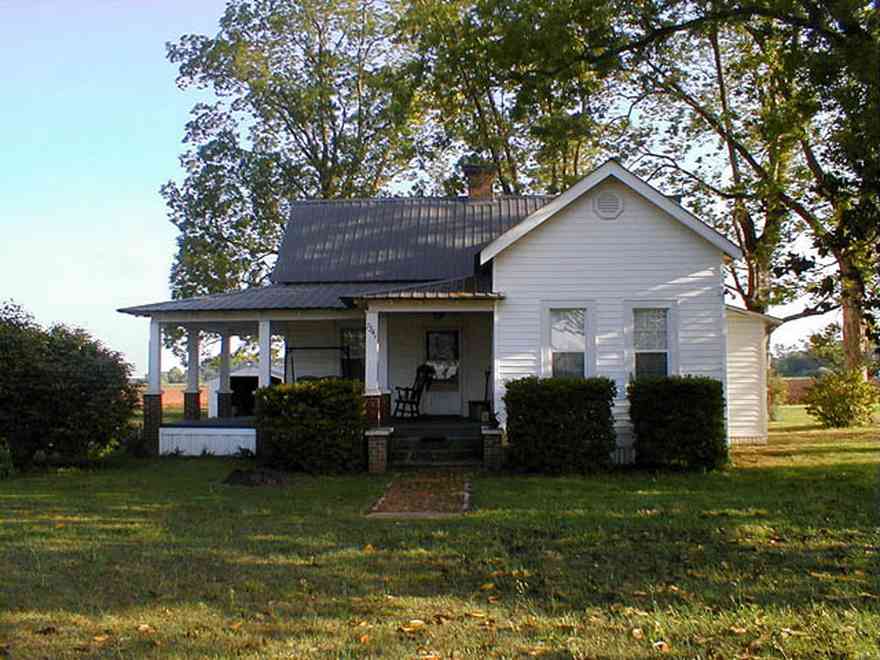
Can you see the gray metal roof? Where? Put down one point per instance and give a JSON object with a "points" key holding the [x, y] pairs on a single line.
{"points": [[276, 296], [477, 287], [393, 240]]}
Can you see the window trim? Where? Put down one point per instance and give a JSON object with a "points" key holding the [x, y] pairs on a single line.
{"points": [[672, 333], [589, 307]]}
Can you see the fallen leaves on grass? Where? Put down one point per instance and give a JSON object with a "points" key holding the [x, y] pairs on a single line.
{"points": [[413, 626]]}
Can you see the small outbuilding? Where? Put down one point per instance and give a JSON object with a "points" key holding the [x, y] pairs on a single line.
{"points": [[747, 366]]}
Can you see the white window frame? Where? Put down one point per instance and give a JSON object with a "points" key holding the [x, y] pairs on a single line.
{"points": [[672, 326], [589, 307]]}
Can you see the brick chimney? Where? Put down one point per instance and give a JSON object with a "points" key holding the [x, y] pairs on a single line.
{"points": [[480, 178]]}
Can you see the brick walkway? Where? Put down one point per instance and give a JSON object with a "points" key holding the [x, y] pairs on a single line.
{"points": [[425, 494]]}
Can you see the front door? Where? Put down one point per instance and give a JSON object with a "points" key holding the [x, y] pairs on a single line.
{"points": [[443, 352]]}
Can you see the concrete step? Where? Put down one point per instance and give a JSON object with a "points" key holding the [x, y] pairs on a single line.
{"points": [[436, 444], [422, 454], [461, 465]]}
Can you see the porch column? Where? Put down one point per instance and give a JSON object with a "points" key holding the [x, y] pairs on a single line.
{"points": [[371, 376], [224, 392], [382, 378], [265, 369], [192, 403], [154, 359], [153, 394], [375, 388]]}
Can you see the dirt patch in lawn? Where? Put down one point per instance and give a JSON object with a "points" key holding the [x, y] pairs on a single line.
{"points": [[425, 493], [257, 477]]}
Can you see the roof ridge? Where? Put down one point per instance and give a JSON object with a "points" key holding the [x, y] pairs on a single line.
{"points": [[460, 199]]}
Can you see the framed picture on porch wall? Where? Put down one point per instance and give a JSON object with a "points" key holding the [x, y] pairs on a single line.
{"points": [[443, 353]]}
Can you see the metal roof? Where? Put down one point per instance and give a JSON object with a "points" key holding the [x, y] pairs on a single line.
{"points": [[393, 240], [460, 288], [766, 318], [276, 296]]}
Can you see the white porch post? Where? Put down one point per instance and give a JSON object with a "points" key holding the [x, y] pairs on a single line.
{"points": [[192, 360], [382, 378], [224, 362], [154, 368], [153, 395], [372, 384], [265, 353]]}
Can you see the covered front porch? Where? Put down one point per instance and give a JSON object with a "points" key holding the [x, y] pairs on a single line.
{"points": [[381, 342]]}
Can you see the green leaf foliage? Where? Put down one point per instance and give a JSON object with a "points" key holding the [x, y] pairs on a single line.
{"points": [[678, 422], [314, 426], [64, 394], [777, 395], [7, 468], [557, 425], [843, 398], [312, 100]]}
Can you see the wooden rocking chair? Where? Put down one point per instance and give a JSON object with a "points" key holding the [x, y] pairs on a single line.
{"points": [[410, 398]]}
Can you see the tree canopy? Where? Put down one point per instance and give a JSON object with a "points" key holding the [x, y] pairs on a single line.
{"points": [[312, 100], [762, 112]]}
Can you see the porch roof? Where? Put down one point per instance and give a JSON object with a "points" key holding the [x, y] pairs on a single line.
{"points": [[460, 288], [333, 295]]}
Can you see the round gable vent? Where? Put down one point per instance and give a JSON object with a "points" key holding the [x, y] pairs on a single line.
{"points": [[608, 205]]}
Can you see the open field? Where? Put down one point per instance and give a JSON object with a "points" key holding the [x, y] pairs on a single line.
{"points": [[172, 403], [775, 557]]}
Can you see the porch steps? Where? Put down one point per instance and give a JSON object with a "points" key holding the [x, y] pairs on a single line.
{"points": [[436, 443]]}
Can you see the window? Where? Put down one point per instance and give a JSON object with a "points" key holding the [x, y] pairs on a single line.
{"points": [[442, 354], [354, 362], [568, 343], [651, 342]]}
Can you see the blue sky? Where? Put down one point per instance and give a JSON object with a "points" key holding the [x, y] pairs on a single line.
{"points": [[90, 127]]}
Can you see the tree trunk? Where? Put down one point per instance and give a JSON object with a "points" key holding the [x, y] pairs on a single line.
{"points": [[852, 298]]}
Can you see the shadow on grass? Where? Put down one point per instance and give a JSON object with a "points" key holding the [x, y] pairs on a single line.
{"points": [[165, 535]]}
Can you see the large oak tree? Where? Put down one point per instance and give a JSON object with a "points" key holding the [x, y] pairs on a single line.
{"points": [[312, 100]]}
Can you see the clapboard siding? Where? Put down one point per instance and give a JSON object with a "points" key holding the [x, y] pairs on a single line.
{"points": [[316, 333], [194, 441], [643, 254], [746, 377]]}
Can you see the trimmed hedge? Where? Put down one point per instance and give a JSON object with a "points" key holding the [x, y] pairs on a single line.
{"points": [[315, 426], [560, 424], [678, 422]]}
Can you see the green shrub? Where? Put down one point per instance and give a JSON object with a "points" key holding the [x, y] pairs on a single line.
{"points": [[678, 422], [7, 469], [62, 393], [316, 426], [560, 424], [841, 399], [777, 395]]}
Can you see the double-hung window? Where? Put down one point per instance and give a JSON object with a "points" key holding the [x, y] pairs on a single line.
{"points": [[651, 342], [568, 342]]}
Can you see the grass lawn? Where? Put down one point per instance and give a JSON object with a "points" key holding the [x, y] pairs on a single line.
{"points": [[776, 556]]}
